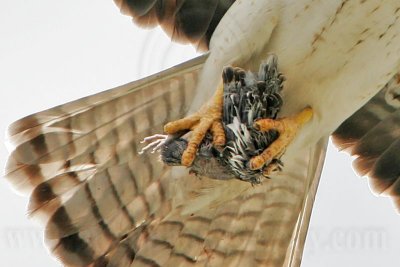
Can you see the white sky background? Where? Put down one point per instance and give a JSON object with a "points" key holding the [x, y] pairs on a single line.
{"points": [[52, 52]]}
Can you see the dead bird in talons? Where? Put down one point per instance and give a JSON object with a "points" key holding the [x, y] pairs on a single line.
{"points": [[247, 97]]}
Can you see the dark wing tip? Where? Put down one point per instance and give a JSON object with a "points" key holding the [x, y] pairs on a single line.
{"points": [[186, 21], [372, 135]]}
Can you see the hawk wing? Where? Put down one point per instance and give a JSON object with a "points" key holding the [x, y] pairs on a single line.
{"points": [[185, 21], [80, 166], [104, 205], [372, 135]]}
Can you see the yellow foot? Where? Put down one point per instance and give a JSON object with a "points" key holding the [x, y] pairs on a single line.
{"points": [[287, 129], [207, 118]]}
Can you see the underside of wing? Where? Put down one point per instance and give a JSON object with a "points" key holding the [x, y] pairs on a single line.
{"points": [[79, 163], [103, 204], [264, 225], [372, 135], [185, 21]]}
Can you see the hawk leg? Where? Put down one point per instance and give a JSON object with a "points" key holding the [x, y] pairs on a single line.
{"points": [[287, 129], [207, 118]]}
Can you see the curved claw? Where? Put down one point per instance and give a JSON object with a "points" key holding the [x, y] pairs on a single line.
{"points": [[217, 130], [287, 129], [197, 137], [207, 118]]}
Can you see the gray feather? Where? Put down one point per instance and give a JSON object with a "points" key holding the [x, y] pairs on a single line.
{"points": [[247, 98]]}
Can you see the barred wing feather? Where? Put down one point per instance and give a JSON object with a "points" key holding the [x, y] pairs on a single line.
{"points": [[80, 163], [263, 225], [102, 204]]}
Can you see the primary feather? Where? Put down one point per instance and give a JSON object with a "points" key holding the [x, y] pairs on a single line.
{"points": [[80, 164]]}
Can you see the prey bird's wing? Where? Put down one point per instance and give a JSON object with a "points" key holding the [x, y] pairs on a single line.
{"points": [[372, 135], [79, 163], [185, 21]]}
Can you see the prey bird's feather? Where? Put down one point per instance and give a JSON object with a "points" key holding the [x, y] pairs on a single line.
{"points": [[247, 98]]}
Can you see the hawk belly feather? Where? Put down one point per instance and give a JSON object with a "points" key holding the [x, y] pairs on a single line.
{"points": [[336, 55]]}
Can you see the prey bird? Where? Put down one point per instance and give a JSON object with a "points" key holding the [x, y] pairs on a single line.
{"points": [[103, 204], [248, 97]]}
